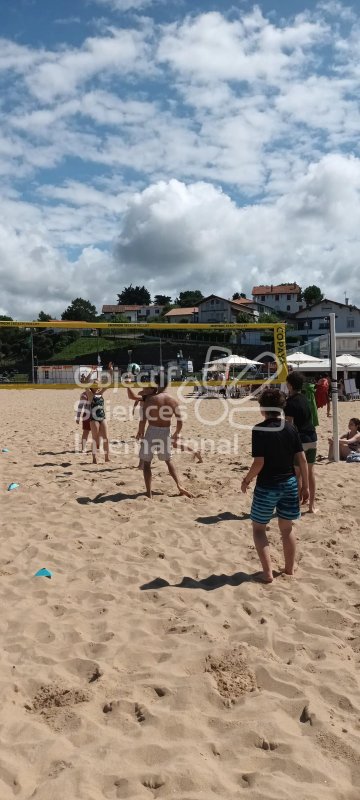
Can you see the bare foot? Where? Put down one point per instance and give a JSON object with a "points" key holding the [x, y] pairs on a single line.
{"points": [[263, 577], [149, 495], [313, 510], [94, 461], [184, 493], [199, 457]]}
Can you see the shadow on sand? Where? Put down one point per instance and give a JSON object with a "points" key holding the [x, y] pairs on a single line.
{"points": [[225, 516], [206, 584]]}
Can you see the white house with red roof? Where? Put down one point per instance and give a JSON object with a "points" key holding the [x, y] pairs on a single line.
{"points": [[284, 298], [134, 313]]}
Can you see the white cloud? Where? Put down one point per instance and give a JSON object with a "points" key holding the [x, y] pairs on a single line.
{"points": [[196, 236], [36, 275], [60, 73], [158, 118], [126, 5], [211, 48], [338, 10], [176, 235], [16, 57]]}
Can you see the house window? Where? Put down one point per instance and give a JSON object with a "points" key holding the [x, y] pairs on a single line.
{"points": [[358, 344], [217, 302], [350, 322], [157, 311], [212, 302], [324, 326], [46, 375], [147, 312], [288, 296], [263, 298], [277, 297], [288, 308]]}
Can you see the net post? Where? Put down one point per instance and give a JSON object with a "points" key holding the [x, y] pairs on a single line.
{"points": [[280, 351], [334, 387]]}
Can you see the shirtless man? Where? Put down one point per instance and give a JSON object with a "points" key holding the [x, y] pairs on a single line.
{"points": [[158, 411]]}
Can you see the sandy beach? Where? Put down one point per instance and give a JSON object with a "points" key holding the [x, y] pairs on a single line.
{"points": [[150, 665]]}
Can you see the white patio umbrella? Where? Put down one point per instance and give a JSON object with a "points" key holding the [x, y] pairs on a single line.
{"points": [[301, 358], [234, 360], [348, 361]]}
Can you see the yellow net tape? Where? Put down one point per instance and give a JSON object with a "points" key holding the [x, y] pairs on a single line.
{"points": [[142, 326], [278, 328]]}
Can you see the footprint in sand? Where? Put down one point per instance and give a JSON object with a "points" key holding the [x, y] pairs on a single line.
{"points": [[160, 692], [7, 777], [140, 713], [153, 783]]}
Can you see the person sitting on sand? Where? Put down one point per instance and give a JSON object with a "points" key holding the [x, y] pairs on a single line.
{"points": [[98, 423], [157, 413], [349, 442], [276, 446]]}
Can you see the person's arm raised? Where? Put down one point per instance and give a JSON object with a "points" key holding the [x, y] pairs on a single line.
{"points": [[111, 370], [131, 394]]}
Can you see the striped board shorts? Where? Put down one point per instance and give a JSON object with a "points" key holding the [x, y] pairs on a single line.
{"points": [[284, 498], [157, 441]]}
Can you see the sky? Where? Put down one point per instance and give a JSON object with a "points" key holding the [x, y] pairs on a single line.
{"points": [[181, 145]]}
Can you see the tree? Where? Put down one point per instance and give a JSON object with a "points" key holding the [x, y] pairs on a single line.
{"points": [[271, 318], [243, 318], [162, 300], [238, 295], [134, 296], [312, 294], [80, 311], [189, 299], [44, 317]]}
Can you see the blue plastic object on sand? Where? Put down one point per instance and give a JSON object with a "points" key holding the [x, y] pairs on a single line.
{"points": [[43, 573], [13, 486], [5, 450]]}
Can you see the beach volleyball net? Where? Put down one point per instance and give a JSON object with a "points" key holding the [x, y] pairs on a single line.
{"points": [[63, 354]]}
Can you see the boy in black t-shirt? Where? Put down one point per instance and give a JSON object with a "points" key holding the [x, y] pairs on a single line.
{"points": [[275, 447], [298, 413]]}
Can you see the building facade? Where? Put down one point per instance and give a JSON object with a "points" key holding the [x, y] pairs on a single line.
{"points": [[134, 313], [314, 320], [182, 315], [284, 298], [346, 343], [215, 309]]}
